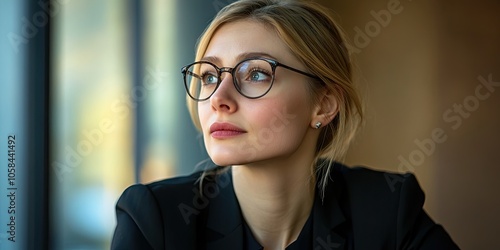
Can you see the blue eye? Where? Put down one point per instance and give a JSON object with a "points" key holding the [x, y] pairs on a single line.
{"points": [[209, 78], [257, 75]]}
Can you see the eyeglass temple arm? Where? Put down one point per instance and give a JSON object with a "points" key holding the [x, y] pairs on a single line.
{"points": [[192, 74], [298, 71]]}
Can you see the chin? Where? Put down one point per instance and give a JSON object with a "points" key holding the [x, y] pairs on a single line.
{"points": [[227, 155], [222, 161], [222, 158], [229, 158]]}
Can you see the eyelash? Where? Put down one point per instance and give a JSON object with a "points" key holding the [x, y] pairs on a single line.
{"points": [[256, 69]]}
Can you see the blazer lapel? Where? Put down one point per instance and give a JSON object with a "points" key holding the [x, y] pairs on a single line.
{"points": [[326, 221], [224, 221]]}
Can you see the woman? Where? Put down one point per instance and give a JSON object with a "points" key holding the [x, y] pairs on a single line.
{"points": [[271, 91]]}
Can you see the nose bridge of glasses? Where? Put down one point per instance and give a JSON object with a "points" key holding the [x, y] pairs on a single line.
{"points": [[226, 70]]}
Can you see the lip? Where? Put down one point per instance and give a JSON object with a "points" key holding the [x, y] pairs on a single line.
{"points": [[225, 130]]}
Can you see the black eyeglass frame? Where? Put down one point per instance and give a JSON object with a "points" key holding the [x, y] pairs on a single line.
{"points": [[274, 64]]}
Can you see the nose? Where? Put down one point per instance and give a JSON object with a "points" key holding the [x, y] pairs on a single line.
{"points": [[224, 98]]}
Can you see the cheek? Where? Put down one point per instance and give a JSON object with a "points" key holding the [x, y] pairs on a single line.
{"points": [[279, 125], [276, 117]]}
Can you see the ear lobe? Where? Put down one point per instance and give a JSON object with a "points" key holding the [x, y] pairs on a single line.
{"points": [[326, 110]]}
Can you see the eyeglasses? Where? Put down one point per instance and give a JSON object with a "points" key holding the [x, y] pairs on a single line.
{"points": [[252, 78]]}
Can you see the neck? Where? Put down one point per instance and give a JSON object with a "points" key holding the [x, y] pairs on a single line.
{"points": [[275, 199]]}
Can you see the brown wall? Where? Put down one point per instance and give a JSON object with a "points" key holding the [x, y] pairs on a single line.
{"points": [[419, 73]]}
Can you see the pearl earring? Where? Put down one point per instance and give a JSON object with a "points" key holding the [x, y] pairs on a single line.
{"points": [[317, 125]]}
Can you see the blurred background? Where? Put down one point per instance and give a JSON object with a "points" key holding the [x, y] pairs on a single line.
{"points": [[106, 75]]}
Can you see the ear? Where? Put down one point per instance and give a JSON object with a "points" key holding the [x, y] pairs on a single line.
{"points": [[325, 110]]}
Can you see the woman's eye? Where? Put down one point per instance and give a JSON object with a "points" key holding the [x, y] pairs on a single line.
{"points": [[209, 79], [258, 76]]}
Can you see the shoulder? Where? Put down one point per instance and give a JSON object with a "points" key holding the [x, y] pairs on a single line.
{"points": [[374, 185], [144, 213], [171, 196], [167, 214], [380, 197], [387, 207], [176, 189], [382, 179]]}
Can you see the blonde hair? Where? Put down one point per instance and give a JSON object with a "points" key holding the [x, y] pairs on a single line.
{"points": [[313, 36]]}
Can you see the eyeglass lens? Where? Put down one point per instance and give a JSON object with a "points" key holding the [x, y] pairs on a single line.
{"points": [[252, 78]]}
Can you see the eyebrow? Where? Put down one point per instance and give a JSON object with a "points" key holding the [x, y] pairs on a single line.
{"points": [[240, 57]]}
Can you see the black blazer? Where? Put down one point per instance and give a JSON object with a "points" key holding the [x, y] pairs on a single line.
{"points": [[362, 209]]}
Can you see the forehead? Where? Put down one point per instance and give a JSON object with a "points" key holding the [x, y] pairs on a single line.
{"points": [[235, 41]]}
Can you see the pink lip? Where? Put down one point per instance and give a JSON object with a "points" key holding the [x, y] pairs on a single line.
{"points": [[225, 130]]}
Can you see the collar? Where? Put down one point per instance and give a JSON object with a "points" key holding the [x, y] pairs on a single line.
{"points": [[224, 228]]}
